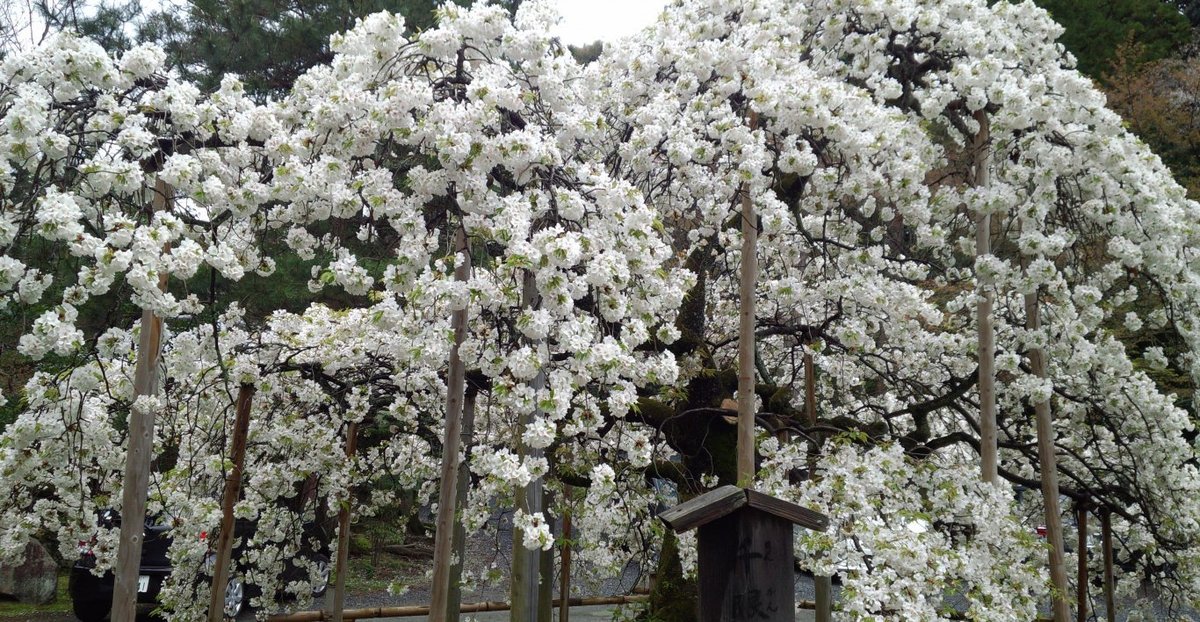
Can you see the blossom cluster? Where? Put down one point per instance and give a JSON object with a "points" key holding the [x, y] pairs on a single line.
{"points": [[601, 209]]}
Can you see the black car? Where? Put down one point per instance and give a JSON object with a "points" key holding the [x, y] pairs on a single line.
{"points": [[91, 595]]}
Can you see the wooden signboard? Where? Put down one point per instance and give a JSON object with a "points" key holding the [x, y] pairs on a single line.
{"points": [[746, 562]]}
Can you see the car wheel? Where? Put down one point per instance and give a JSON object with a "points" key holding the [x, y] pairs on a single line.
{"points": [[235, 597], [321, 581]]}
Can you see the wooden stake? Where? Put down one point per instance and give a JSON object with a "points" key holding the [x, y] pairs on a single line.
{"points": [[746, 316], [988, 451], [233, 489], [1049, 468], [454, 598], [1081, 583], [140, 449], [823, 585], [447, 495], [824, 598], [810, 409], [343, 555], [545, 602], [1110, 607], [564, 581], [527, 577]]}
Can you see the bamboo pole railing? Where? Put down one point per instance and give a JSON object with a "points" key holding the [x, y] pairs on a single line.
{"points": [[409, 611]]}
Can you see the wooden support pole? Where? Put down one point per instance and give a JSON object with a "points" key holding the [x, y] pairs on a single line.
{"points": [[545, 602], [824, 598], [1049, 468], [520, 584], [1110, 606], [343, 553], [988, 444], [1081, 583], [447, 494], [454, 598], [823, 585], [810, 409], [564, 580], [527, 576], [746, 324], [136, 482], [233, 489], [527, 579]]}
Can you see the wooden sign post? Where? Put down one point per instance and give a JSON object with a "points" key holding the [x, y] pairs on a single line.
{"points": [[746, 562]]}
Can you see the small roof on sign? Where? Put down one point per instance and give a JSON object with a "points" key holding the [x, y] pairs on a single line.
{"points": [[726, 500]]}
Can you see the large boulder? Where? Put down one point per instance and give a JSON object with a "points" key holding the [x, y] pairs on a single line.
{"points": [[33, 581]]}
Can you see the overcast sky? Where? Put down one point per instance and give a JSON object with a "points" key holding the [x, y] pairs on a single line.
{"points": [[585, 21]]}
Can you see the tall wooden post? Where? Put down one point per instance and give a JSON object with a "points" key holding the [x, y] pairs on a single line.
{"points": [[746, 317], [447, 495], [1110, 606], [1081, 583], [988, 452], [527, 576], [1049, 467], [233, 489], [545, 595], [564, 581], [822, 585], [343, 554], [454, 595], [810, 410], [140, 450]]}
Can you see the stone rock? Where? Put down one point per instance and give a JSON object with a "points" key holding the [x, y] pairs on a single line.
{"points": [[33, 581]]}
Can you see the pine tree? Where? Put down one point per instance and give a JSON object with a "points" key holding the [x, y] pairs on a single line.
{"points": [[1094, 29], [269, 43]]}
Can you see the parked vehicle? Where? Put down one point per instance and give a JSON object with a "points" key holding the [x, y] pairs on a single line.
{"points": [[91, 595], [1071, 536]]}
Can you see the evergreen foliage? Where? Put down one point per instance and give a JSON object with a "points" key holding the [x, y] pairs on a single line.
{"points": [[268, 43], [1094, 28], [1190, 10]]}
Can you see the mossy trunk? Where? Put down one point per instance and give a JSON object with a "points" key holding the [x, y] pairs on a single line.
{"points": [[673, 598]]}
